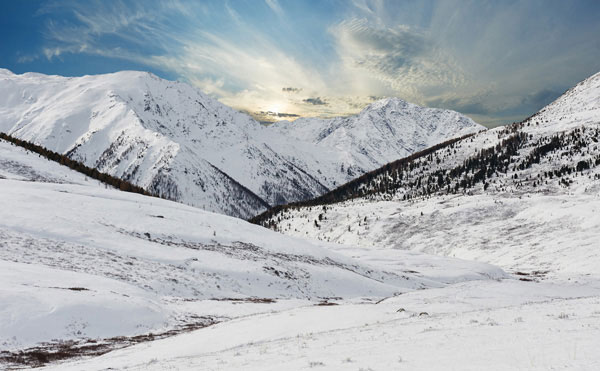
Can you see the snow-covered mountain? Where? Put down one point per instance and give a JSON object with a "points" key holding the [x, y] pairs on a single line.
{"points": [[97, 270], [578, 106], [164, 136], [384, 131], [525, 197], [175, 141]]}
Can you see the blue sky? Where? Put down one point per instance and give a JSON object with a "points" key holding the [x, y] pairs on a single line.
{"points": [[497, 61]]}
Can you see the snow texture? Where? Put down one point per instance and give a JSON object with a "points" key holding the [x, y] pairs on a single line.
{"points": [[81, 261]]}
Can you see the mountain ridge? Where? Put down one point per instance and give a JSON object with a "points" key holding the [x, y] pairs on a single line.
{"points": [[556, 118], [382, 132], [176, 142]]}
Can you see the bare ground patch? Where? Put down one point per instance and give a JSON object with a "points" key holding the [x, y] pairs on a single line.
{"points": [[59, 351]]}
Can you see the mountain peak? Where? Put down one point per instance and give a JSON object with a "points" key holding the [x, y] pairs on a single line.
{"points": [[387, 102], [384, 131], [137, 74]]}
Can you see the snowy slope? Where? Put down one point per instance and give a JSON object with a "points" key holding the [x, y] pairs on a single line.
{"points": [[555, 235], [177, 142], [580, 105], [81, 261], [484, 325], [384, 131]]}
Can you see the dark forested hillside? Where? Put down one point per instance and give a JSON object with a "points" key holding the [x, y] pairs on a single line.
{"points": [[516, 158], [78, 166]]}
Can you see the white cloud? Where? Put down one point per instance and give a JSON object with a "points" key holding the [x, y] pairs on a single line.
{"points": [[404, 60], [249, 78], [27, 58], [275, 7]]}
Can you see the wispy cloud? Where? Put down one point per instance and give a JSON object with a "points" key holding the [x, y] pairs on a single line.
{"points": [[247, 73], [27, 58], [275, 7], [489, 59], [405, 60]]}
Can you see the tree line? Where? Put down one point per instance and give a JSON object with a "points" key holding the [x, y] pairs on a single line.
{"points": [[357, 187], [115, 182]]}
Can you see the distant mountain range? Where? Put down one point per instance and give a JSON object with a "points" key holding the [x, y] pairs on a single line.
{"points": [[383, 132], [175, 141]]}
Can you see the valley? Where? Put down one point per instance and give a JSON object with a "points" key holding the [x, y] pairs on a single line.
{"points": [[480, 249]]}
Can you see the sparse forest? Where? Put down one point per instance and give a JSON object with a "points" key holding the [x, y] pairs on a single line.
{"points": [[505, 160]]}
